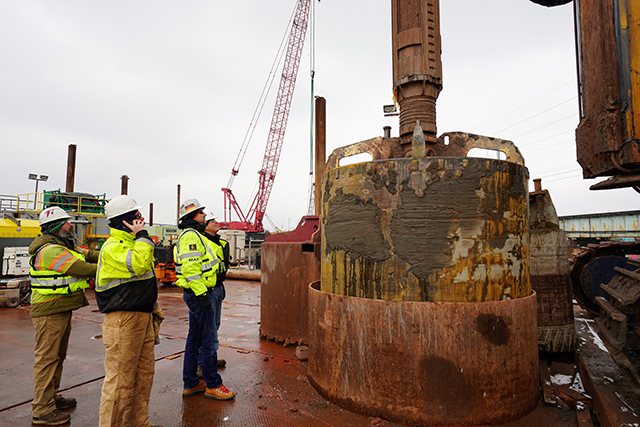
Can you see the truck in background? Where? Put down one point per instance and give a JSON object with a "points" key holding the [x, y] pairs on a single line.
{"points": [[15, 237]]}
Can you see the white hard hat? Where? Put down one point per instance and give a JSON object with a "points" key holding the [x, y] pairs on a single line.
{"points": [[120, 205], [52, 214], [189, 206], [210, 216]]}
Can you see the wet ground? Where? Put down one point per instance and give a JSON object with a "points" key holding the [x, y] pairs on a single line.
{"points": [[271, 383]]}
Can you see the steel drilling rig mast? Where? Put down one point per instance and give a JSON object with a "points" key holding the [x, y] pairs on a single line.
{"points": [[252, 221]]}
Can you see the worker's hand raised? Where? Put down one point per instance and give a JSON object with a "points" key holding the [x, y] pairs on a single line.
{"points": [[138, 225]]}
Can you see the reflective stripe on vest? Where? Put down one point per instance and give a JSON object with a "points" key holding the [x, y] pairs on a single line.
{"points": [[46, 280], [206, 267], [52, 283]]}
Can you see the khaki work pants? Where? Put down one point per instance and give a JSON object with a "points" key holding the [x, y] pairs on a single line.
{"points": [[129, 365], [52, 341]]}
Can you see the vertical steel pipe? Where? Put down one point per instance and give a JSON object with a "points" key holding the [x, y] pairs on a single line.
{"points": [[417, 66], [124, 185], [71, 168], [320, 149], [178, 205]]}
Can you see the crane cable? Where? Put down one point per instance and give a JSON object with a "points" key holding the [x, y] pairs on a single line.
{"points": [[261, 102], [312, 60]]}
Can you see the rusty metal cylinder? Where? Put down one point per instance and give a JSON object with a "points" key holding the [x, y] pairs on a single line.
{"points": [[550, 279], [550, 274], [427, 364], [424, 314], [439, 229]]}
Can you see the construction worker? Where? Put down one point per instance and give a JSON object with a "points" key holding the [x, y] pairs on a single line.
{"points": [[221, 251], [196, 269], [59, 274], [126, 292]]}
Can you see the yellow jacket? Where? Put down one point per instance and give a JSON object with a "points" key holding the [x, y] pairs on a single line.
{"points": [[196, 264], [126, 277]]}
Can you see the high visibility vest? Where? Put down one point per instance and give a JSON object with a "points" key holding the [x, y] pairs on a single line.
{"points": [[217, 251], [223, 244], [196, 264], [129, 260], [45, 277]]}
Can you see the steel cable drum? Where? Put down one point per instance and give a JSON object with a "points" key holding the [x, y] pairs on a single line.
{"points": [[442, 229]]}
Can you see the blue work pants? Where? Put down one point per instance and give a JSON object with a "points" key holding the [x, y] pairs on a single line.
{"points": [[203, 333]]}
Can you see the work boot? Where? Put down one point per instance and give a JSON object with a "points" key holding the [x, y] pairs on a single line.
{"points": [[221, 363], [65, 402], [220, 393], [194, 390], [53, 418]]}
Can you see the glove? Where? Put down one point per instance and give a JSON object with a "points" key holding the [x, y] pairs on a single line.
{"points": [[205, 301], [158, 317]]}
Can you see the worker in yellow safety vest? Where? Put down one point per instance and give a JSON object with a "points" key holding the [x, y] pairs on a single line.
{"points": [[221, 251], [196, 269], [60, 271], [126, 292]]}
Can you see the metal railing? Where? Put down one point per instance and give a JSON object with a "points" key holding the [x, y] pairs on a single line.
{"points": [[82, 204], [8, 204], [86, 209]]}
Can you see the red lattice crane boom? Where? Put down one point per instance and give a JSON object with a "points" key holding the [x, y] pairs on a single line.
{"points": [[253, 220]]}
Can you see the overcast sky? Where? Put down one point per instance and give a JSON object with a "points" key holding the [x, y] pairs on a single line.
{"points": [[164, 91]]}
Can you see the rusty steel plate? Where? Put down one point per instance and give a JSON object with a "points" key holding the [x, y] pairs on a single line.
{"points": [[422, 363], [287, 271]]}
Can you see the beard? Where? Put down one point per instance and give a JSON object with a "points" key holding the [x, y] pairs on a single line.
{"points": [[69, 235], [69, 239]]}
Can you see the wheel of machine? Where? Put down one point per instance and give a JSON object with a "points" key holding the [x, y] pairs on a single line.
{"points": [[13, 302], [594, 265]]}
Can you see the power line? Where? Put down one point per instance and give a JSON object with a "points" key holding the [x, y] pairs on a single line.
{"points": [[549, 137], [565, 148], [524, 105], [535, 115], [543, 126], [561, 173], [565, 177]]}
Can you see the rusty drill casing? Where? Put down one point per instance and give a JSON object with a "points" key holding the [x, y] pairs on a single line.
{"points": [[550, 275], [438, 229], [417, 66], [422, 363]]}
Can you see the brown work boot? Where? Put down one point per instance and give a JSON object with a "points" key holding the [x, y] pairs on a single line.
{"points": [[221, 363], [194, 390], [65, 402], [220, 393], [53, 418]]}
